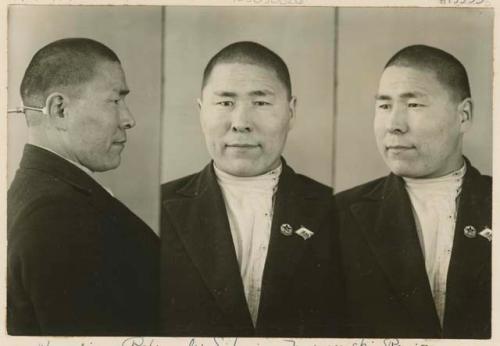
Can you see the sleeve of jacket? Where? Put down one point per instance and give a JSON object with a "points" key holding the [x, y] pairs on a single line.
{"points": [[53, 285]]}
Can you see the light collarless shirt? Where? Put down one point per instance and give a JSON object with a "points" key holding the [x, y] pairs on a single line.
{"points": [[434, 204], [249, 206], [83, 168]]}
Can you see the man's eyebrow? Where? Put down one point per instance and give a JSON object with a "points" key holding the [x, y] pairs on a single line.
{"points": [[263, 92], [382, 97], [225, 93], [412, 94], [406, 95]]}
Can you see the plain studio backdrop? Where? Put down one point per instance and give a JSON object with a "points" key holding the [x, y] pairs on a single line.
{"points": [[335, 57], [367, 38], [303, 37]]}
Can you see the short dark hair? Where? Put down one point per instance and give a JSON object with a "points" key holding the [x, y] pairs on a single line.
{"points": [[66, 62], [247, 52], [448, 69]]}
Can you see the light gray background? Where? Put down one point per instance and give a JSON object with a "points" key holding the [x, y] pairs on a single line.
{"points": [[303, 37], [134, 33], [367, 38]]}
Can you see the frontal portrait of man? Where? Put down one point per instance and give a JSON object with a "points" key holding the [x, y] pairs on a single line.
{"points": [[416, 244], [70, 268], [246, 242]]}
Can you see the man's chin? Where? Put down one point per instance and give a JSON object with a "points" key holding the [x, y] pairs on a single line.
{"points": [[407, 172], [402, 168], [241, 168], [104, 166]]}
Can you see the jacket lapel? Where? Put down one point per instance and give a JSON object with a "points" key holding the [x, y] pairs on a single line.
{"points": [[297, 208], [470, 263], [202, 225], [394, 241]]}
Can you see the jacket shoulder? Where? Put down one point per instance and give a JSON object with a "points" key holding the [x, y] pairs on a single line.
{"points": [[169, 190], [348, 197], [32, 190], [312, 186], [485, 180]]}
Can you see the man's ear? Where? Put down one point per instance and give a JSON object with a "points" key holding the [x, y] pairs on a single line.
{"points": [[55, 106], [464, 109], [292, 104], [199, 101]]}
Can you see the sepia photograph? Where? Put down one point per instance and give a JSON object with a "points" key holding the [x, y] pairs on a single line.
{"points": [[249, 172]]}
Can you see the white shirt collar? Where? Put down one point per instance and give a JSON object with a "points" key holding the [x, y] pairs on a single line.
{"points": [[264, 181], [453, 177]]}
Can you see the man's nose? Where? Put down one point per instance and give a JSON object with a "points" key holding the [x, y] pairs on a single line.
{"points": [[127, 120], [397, 120], [241, 119]]}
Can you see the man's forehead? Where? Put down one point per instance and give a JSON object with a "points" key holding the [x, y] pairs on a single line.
{"points": [[234, 71], [232, 79], [408, 79], [110, 76]]}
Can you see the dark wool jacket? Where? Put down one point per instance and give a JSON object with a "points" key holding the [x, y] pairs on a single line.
{"points": [[388, 293], [79, 261], [201, 282]]}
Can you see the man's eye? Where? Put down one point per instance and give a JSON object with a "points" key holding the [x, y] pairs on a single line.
{"points": [[415, 105], [261, 103], [384, 106], [225, 103]]}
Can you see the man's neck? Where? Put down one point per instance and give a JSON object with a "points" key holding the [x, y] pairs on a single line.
{"points": [[53, 144], [83, 168]]}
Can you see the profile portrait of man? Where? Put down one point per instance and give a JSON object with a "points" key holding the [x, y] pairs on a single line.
{"points": [[416, 244], [246, 242], [79, 261]]}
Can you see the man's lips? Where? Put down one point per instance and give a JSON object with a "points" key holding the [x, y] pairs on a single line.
{"points": [[399, 148], [242, 145], [121, 143]]}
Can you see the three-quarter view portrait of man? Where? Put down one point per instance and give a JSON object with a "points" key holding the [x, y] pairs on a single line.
{"points": [[79, 261], [416, 244], [246, 242]]}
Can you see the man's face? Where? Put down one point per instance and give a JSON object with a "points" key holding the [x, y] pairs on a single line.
{"points": [[97, 118], [418, 126], [245, 116]]}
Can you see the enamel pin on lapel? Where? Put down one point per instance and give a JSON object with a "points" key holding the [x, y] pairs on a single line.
{"points": [[470, 231], [304, 233], [286, 229], [487, 233]]}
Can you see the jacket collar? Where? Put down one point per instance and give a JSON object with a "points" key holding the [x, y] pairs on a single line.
{"points": [[200, 220], [37, 158], [387, 222], [297, 204], [470, 263]]}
